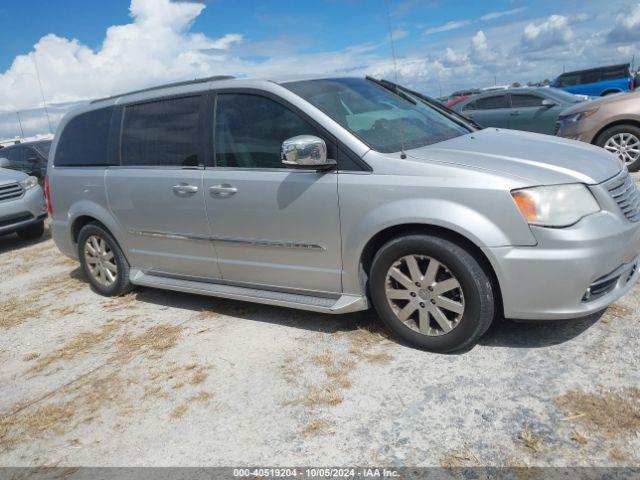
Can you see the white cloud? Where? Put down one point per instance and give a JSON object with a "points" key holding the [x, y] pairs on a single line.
{"points": [[627, 26], [554, 31], [155, 47], [504, 13], [447, 27]]}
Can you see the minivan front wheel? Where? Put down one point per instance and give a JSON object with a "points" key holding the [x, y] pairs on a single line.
{"points": [[431, 293], [102, 261]]}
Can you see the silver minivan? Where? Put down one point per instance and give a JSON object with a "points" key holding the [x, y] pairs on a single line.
{"points": [[335, 194]]}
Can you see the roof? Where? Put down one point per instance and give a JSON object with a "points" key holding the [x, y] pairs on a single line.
{"points": [[620, 65]]}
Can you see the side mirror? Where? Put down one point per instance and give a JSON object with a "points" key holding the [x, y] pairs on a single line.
{"points": [[306, 151], [4, 163], [548, 103]]}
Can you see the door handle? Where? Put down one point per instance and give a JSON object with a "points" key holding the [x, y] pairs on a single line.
{"points": [[515, 114], [185, 189], [224, 190]]}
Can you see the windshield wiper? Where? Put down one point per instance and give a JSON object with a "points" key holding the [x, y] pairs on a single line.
{"points": [[392, 87], [399, 89]]}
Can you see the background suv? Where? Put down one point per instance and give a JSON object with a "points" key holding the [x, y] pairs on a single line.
{"points": [[27, 157], [22, 205], [612, 123], [596, 82], [336, 194]]}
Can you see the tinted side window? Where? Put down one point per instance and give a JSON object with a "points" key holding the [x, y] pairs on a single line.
{"points": [[84, 140], [164, 133], [250, 130], [568, 80], [612, 74], [469, 106], [488, 103], [523, 101], [590, 77]]}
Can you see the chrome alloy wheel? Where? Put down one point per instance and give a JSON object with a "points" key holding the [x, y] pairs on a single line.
{"points": [[424, 295], [625, 145], [100, 260]]}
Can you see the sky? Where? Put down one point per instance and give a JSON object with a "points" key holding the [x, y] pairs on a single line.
{"points": [[88, 49]]}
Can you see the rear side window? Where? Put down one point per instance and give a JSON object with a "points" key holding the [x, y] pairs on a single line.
{"points": [[590, 77], [615, 73], [568, 80], [489, 103], [163, 133], [523, 101], [84, 141]]}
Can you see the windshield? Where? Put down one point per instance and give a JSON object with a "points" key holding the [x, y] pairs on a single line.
{"points": [[563, 96], [383, 120]]}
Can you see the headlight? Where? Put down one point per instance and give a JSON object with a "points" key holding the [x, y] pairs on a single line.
{"points": [[29, 182], [576, 117], [556, 205]]}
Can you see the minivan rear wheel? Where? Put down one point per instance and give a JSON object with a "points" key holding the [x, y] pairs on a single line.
{"points": [[431, 293], [623, 141], [102, 261]]}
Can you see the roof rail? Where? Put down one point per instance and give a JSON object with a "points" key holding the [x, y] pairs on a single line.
{"points": [[167, 85]]}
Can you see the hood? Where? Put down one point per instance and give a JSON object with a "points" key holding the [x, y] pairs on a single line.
{"points": [[11, 176], [537, 159], [614, 98]]}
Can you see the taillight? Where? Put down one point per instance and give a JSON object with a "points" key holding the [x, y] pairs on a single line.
{"points": [[47, 194]]}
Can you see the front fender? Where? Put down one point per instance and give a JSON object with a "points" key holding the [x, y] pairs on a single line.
{"points": [[463, 220]]}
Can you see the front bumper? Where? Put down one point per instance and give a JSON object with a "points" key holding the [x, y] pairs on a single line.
{"points": [[572, 272], [21, 212]]}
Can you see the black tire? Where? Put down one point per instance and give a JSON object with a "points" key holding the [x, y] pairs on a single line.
{"points": [[121, 285], [625, 128], [476, 287], [32, 232]]}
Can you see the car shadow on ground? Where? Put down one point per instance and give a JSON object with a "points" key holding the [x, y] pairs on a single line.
{"points": [[503, 333], [12, 241]]}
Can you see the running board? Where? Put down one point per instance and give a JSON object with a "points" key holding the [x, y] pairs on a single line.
{"points": [[335, 305]]}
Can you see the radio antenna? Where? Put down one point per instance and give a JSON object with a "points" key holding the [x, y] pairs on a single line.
{"points": [[44, 102], [403, 155], [20, 123]]}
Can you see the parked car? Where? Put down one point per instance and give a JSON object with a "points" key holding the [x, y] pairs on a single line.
{"points": [[597, 82], [456, 100], [22, 204], [332, 195], [28, 157], [612, 123], [528, 109]]}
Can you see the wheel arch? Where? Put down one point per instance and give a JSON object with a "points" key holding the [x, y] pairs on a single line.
{"points": [[610, 91], [616, 123], [382, 237]]}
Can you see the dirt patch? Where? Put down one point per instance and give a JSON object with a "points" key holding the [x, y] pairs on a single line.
{"points": [[609, 414], [315, 427]]}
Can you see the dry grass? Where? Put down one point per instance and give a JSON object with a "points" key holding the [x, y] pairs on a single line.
{"points": [[617, 311], [365, 344], [157, 338], [459, 458], [530, 441], [316, 397], [579, 438], [80, 344], [610, 414], [15, 310], [180, 410], [198, 377], [315, 427], [30, 356]]}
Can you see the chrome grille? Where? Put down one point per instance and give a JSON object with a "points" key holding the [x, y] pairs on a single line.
{"points": [[12, 190], [624, 191]]}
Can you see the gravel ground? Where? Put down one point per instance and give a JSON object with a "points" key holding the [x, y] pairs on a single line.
{"points": [[159, 378]]}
